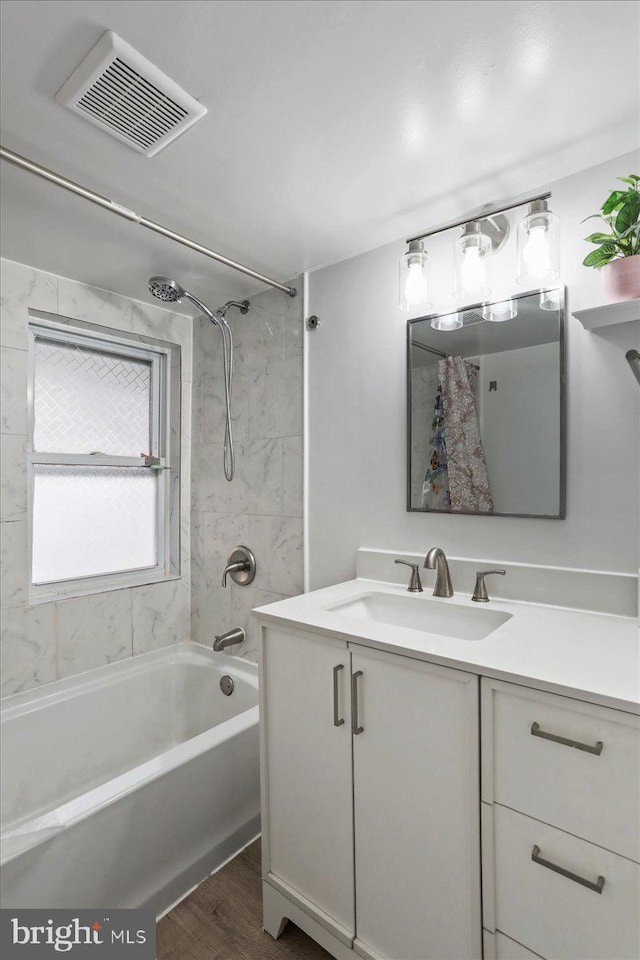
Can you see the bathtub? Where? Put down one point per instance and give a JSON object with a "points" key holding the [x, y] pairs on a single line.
{"points": [[129, 784]]}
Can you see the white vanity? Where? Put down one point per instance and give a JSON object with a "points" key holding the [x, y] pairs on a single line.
{"points": [[448, 780]]}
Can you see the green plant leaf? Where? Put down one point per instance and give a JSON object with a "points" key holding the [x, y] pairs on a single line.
{"points": [[629, 213], [632, 179], [613, 201], [597, 258], [601, 238]]}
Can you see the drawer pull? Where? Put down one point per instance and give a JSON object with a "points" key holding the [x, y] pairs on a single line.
{"points": [[355, 724], [587, 747], [337, 719], [596, 887]]}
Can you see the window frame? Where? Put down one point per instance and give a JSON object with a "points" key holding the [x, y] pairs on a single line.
{"points": [[164, 455]]}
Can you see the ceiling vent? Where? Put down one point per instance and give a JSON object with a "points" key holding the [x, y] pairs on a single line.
{"points": [[120, 91]]}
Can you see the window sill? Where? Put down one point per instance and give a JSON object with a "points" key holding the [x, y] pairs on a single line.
{"points": [[105, 586]]}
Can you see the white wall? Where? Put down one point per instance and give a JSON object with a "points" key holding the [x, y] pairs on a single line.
{"points": [[46, 641], [356, 420]]}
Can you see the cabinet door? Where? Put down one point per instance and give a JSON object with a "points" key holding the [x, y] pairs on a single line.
{"points": [[308, 810], [416, 803]]}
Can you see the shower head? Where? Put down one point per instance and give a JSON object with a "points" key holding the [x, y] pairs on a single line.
{"points": [[164, 289]]}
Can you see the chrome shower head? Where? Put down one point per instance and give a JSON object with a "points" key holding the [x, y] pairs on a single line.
{"points": [[164, 289]]}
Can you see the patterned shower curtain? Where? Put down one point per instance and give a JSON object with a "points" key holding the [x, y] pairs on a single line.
{"points": [[435, 488], [457, 478]]}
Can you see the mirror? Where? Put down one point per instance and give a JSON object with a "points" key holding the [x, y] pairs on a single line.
{"points": [[486, 409]]}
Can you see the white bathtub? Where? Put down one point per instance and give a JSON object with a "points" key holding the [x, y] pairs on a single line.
{"points": [[127, 785]]}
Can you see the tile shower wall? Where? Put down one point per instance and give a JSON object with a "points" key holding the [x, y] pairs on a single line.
{"points": [[262, 506], [47, 641]]}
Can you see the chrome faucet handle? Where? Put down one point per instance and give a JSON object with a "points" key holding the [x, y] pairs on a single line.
{"points": [[241, 564], [480, 594], [415, 584]]}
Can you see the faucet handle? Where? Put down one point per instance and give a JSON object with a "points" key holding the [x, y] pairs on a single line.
{"points": [[415, 584], [480, 594]]}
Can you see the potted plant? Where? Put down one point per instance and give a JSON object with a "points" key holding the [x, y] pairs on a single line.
{"points": [[618, 251]]}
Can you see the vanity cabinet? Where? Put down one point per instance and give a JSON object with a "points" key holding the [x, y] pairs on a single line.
{"points": [[370, 799], [561, 833]]}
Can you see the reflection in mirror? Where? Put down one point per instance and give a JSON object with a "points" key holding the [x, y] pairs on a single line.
{"points": [[486, 409]]}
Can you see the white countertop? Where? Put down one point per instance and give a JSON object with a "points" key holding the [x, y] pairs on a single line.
{"points": [[577, 653]]}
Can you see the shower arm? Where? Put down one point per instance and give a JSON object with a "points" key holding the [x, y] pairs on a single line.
{"points": [[122, 211]]}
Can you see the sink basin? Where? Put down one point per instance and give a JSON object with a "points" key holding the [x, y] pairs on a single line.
{"points": [[429, 615]]}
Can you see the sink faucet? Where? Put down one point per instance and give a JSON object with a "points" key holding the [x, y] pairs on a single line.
{"points": [[436, 560]]}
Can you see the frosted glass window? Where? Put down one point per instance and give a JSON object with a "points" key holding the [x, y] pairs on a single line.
{"points": [[89, 521], [89, 401]]}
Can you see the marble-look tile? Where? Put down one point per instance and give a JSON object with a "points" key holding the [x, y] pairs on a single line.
{"points": [[259, 464], [160, 615], [150, 321], [275, 399], [292, 476], [210, 611], [243, 601], [92, 631], [259, 335], [277, 544], [294, 322], [14, 563], [13, 399], [79, 301], [207, 353], [28, 647], [211, 492], [23, 287], [13, 477], [214, 409], [219, 534]]}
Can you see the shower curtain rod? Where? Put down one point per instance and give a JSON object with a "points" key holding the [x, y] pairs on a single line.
{"points": [[121, 211], [439, 353]]}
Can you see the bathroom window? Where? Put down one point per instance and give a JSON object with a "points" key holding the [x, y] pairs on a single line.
{"points": [[103, 442]]}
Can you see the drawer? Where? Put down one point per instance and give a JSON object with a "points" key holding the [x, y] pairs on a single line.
{"points": [[594, 792], [508, 949], [557, 916]]}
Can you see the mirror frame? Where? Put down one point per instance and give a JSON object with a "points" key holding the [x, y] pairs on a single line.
{"points": [[562, 480]]}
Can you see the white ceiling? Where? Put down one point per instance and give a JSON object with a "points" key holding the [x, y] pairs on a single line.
{"points": [[332, 127]]}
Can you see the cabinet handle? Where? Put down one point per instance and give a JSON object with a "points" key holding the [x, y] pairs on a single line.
{"points": [[587, 747], [354, 704], [337, 719], [596, 887]]}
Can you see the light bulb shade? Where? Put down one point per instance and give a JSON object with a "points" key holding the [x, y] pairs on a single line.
{"points": [[499, 312], [472, 264], [538, 246], [550, 299], [413, 278], [451, 321]]}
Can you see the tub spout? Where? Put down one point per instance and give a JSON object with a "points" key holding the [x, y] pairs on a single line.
{"points": [[228, 639]]}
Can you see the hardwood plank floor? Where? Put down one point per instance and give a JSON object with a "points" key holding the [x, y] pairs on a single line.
{"points": [[222, 920]]}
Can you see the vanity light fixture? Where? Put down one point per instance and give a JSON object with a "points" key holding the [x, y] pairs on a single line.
{"points": [[452, 321], [413, 277], [538, 246], [550, 299], [472, 263], [499, 312]]}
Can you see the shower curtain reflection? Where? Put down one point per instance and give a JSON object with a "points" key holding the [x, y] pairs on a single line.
{"points": [[456, 479]]}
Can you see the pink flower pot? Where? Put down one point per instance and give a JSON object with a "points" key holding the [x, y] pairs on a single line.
{"points": [[621, 278]]}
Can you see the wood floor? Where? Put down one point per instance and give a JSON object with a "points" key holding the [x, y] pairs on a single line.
{"points": [[222, 920]]}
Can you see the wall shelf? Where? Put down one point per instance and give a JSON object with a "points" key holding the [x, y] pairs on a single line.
{"points": [[605, 316]]}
